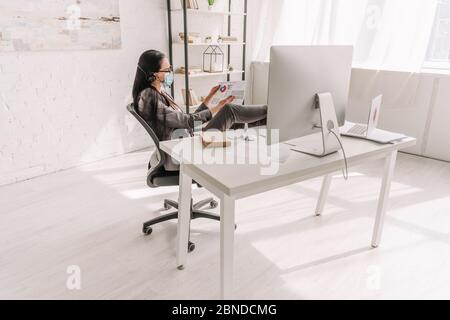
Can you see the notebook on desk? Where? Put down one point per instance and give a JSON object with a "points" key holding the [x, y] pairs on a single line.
{"points": [[215, 139]]}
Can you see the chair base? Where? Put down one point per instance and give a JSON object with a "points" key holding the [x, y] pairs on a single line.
{"points": [[196, 213]]}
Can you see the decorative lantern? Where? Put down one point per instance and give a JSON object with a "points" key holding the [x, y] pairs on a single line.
{"points": [[213, 60]]}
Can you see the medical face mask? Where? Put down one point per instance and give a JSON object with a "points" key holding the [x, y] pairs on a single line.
{"points": [[168, 79]]}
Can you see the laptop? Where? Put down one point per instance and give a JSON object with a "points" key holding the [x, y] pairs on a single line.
{"points": [[370, 131]]}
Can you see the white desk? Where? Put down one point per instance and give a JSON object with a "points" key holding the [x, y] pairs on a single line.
{"points": [[232, 182]]}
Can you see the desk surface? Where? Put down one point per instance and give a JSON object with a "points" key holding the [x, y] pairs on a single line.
{"points": [[241, 180]]}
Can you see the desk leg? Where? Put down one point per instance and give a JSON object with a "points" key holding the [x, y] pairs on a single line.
{"points": [[389, 167], [323, 194], [184, 217], [226, 246]]}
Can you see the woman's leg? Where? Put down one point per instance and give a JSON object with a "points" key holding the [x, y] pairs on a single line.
{"points": [[232, 114]]}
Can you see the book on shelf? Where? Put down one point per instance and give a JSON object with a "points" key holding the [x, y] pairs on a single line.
{"points": [[227, 39], [190, 34], [193, 37], [193, 99], [192, 70], [190, 4]]}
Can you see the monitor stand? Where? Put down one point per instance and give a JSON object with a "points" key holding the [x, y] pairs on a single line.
{"points": [[323, 143]]}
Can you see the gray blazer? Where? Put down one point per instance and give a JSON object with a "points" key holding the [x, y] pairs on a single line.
{"points": [[167, 119]]}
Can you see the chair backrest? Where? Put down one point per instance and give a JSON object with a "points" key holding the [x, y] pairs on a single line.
{"points": [[160, 155]]}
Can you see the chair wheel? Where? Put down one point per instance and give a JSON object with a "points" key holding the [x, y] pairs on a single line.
{"points": [[147, 231], [191, 246], [213, 204]]}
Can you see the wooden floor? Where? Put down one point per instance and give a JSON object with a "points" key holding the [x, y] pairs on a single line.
{"points": [[91, 217]]}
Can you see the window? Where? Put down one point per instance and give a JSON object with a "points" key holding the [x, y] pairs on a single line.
{"points": [[438, 56]]}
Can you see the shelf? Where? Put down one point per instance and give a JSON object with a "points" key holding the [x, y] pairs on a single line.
{"points": [[204, 44], [220, 13], [208, 74], [226, 15]]}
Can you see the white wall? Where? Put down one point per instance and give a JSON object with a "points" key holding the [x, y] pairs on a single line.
{"points": [[416, 104], [438, 138], [62, 109]]}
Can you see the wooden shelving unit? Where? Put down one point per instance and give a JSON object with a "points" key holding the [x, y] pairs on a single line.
{"points": [[186, 13]]}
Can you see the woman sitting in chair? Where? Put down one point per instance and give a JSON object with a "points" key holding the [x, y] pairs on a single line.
{"points": [[153, 78]]}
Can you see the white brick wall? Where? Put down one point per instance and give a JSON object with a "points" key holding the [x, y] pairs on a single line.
{"points": [[62, 109]]}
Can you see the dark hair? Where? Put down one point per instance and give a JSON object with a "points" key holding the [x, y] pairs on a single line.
{"points": [[149, 64]]}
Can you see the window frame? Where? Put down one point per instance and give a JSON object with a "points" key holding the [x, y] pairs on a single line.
{"points": [[430, 63]]}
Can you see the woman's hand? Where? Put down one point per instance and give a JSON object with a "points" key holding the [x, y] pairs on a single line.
{"points": [[211, 95], [221, 104]]}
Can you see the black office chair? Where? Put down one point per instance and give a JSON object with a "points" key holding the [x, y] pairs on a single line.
{"points": [[157, 177]]}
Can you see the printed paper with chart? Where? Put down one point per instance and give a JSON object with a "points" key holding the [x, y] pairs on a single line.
{"points": [[227, 89]]}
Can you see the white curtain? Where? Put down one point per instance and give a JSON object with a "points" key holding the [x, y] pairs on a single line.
{"points": [[386, 34]]}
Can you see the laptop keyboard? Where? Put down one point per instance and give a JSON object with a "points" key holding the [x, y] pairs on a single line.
{"points": [[358, 130]]}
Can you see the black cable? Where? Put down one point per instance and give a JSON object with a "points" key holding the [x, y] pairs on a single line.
{"points": [[344, 173]]}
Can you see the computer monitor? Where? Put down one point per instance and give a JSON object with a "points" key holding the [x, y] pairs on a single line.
{"points": [[297, 74]]}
